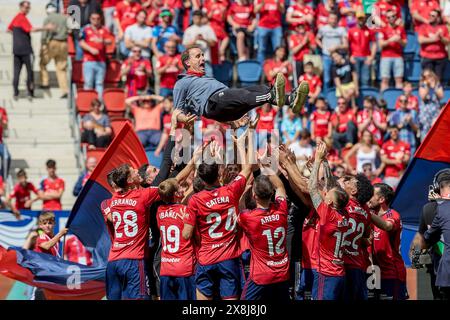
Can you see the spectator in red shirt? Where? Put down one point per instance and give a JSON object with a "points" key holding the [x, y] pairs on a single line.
{"points": [[125, 15], [243, 22], [372, 120], [391, 41], [434, 38], [51, 188], [348, 10], [363, 48], [20, 27], [168, 67], [299, 13], [421, 9], [395, 155], [315, 84], [46, 242], [343, 125], [323, 11], [301, 42], [320, 120], [94, 39], [412, 100], [146, 111], [279, 63], [266, 124], [380, 13], [269, 26], [22, 193], [137, 70], [216, 11]]}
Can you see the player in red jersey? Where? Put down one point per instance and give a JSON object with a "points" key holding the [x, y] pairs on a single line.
{"points": [[355, 240], [22, 193], [330, 279], [386, 244], [128, 211], [213, 212], [51, 189], [178, 256], [265, 228]]}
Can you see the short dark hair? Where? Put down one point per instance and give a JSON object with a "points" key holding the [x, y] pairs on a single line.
{"points": [[167, 190], [444, 183], [142, 171], [305, 134], [96, 102], [209, 173], [341, 198], [263, 187], [393, 126], [142, 11], [50, 163], [198, 13], [443, 179], [22, 3], [198, 184], [120, 175], [386, 191], [365, 188], [309, 63], [21, 173], [109, 178], [186, 54]]}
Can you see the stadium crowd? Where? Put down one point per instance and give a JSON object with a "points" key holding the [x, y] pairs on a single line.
{"points": [[376, 81], [340, 160]]}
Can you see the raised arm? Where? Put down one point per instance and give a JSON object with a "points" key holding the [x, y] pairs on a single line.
{"points": [[53, 241], [313, 184]]}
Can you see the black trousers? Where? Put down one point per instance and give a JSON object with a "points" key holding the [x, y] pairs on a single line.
{"points": [[231, 104], [88, 136], [437, 65], [19, 61]]}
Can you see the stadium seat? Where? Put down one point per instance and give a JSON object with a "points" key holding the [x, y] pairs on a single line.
{"points": [[116, 124], [113, 76], [77, 73], [446, 95], [224, 72], [368, 91], [209, 69], [249, 72], [114, 100], [71, 47], [84, 99], [412, 45], [390, 96], [331, 98], [111, 48], [96, 153], [413, 70]]}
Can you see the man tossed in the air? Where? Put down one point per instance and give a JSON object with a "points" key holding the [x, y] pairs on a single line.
{"points": [[198, 94]]}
